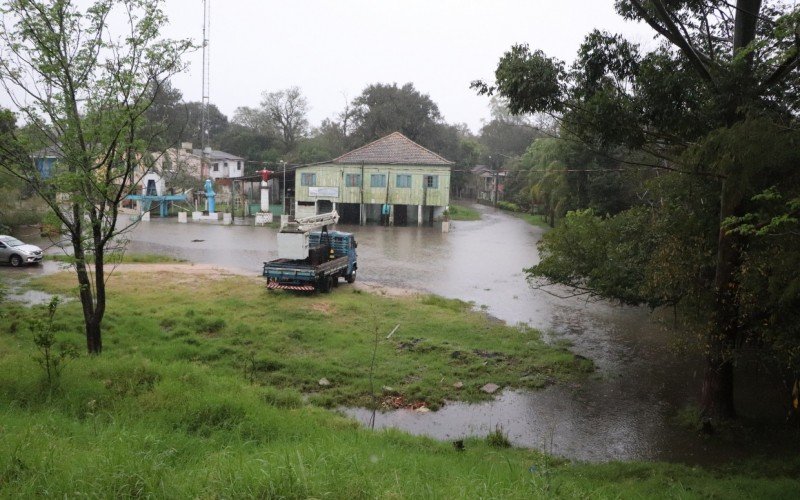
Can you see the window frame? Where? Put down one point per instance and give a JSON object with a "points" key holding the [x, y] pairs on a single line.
{"points": [[306, 176], [430, 181], [406, 178], [352, 180], [382, 178]]}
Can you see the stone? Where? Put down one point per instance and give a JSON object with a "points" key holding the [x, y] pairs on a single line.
{"points": [[324, 382], [458, 385], [490, 388]]}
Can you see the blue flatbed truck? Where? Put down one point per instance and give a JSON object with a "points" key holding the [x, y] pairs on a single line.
{"points": [[331, 255]]}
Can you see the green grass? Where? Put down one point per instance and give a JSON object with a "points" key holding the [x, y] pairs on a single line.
{"points": [[533, 220], [126, 258], [201, 392], [461, 212], [288, 341]]}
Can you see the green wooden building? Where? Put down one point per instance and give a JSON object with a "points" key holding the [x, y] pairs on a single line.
{"points": [[393, 174]]}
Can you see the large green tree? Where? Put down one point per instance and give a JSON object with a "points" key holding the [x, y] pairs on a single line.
{"points": [[84, 78], [696, 108], [382, 109]]}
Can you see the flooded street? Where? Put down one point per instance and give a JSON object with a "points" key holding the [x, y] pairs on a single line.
{"points": [[621, 412]]}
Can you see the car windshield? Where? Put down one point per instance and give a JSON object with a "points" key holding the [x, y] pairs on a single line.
{"points": [[12, 242]]}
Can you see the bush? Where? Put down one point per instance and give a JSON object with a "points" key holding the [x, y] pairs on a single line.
{"points": [[507, 205]]}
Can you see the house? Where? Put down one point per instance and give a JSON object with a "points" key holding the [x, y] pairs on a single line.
{"points": [[178, 164], [393, 174], [489, 184], [224, 165]]}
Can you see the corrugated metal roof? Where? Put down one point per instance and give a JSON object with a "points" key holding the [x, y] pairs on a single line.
{"points": [[217, 155], [394, 149]]}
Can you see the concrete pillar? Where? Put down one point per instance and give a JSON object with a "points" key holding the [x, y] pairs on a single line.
{"points": [[182, 217], [391, 215], [264, 197], [419, 215]]}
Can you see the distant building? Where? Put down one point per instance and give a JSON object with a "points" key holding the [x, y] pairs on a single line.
{"points": [[224, 165], [45, 160], [413, 183], [175, 163], [489, 184]]}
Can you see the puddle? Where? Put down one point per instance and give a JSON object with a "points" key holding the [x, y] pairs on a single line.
{"points": [[34, 298]]}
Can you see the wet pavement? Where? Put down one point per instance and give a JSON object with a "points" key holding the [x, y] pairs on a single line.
{"points": [[622, 412]]}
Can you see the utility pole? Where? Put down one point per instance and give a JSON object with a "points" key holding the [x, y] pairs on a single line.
{"points": [[284, 188], [206, 76]]}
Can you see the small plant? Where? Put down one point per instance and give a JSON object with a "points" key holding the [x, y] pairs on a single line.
{"points": [[498, 438], [51, 357]]}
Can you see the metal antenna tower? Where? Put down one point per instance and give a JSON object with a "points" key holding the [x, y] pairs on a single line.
{"points": [[206, 150]]}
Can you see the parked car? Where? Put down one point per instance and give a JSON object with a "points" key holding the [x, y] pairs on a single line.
{"points": [[17, 253]]}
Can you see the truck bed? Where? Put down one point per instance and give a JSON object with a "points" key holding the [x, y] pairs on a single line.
{"points": [[298, 274]]}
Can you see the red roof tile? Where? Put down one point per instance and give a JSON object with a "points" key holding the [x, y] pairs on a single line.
{"points": [[394, 149]]}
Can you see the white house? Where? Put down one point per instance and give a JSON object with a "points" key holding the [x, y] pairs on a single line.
{"points": [[224, 165]]}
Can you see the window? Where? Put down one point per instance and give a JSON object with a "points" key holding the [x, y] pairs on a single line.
{"points": [[378, 180], [352, 180], [431, 181], [403, 180], [308, 179], [238, 165], [216, 167]]}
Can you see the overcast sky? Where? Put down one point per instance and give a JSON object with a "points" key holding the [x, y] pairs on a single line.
{"points": [[333, 49]]}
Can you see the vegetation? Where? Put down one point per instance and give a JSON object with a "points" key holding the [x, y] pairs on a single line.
{"points": [[292, 342], [704, 127], [174, 412], [83, 89], [122, 258], [463, 212]]}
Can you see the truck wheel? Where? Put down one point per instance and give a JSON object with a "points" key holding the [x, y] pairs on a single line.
{"points": [[335, 281], [325, 285], [15, 260], [351, 277]]}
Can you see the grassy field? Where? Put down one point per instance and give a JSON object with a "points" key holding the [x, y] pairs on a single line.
{"points": [[462, 212], [533, 220], [121, 258], [208, 387]]}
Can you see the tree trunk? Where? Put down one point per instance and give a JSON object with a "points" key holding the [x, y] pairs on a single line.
{"points": [[94, 342], [717, 397]]}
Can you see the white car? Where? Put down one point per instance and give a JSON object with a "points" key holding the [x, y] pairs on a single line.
{"points": [[17, 253]]}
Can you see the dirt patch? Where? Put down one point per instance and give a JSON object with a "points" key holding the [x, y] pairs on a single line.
{"points": [[395, 402], [175, 269], [324, 307], [388, 291]]}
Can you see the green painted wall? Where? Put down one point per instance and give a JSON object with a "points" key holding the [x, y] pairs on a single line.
{"points": [[333, 175]]}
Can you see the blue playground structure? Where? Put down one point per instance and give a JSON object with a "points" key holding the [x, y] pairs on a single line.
{"points": [[148, 200]]}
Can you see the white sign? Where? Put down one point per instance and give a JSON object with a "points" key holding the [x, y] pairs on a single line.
{"points": [[324, 192]]}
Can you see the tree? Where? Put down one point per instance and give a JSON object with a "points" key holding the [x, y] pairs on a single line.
{"points": [[382, 109], [723, 73], [507, 134], [286, 111], [85, 87]]}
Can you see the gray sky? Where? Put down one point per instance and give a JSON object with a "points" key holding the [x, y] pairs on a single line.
{"points": [[333, 49]]}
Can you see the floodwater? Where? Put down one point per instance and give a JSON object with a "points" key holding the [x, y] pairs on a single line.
{"points": [[621, 412]]}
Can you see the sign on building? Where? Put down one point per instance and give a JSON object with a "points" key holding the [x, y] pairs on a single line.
{"points": [[323, 192]]}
